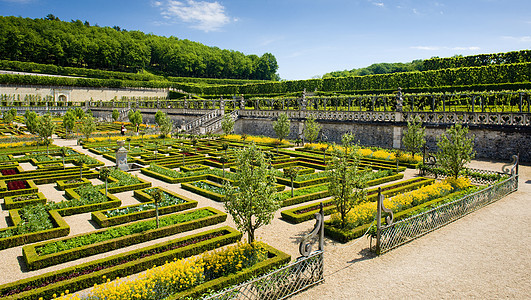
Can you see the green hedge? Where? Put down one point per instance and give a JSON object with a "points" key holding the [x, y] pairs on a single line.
{"points": [[276, 259], [10, 204], [4, 192], [138, 260], [61, 229], [104, 221], [290, 216], [205, 193], [63, 185], [35, 261], [71, 194]]}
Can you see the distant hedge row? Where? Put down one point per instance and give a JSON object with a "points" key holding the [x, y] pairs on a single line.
{"points": [[512, 57]]}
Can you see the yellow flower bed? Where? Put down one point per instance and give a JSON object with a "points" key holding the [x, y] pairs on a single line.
{"points": [[115, 138], [17, 144], [256, 139], [365, 212], [179, 275], [366, 153]]}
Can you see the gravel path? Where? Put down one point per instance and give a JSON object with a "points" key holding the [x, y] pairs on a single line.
{"points": [[484, 255]]}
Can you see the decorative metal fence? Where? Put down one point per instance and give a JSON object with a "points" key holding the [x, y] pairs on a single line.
{"points": [[409, 229], [281, 283]]}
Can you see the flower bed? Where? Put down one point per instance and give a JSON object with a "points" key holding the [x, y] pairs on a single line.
{"points": [[17, 187], [193, 167], [95, 272], [15, 202], [171, 203], [9, 172], [45, 254]]}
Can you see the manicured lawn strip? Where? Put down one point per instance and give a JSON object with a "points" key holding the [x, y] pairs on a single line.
{"points": [[18, 201], [101, 218], [344, 236], [276, 259], [108, 239], [86, 275]]}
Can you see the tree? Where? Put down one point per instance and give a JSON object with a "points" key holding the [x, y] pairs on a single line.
{"points": [[227, 124], [81, 160], [346, 182], [30, 119], [281, 126], [115, 115], [7, 117], [291, 173], [159, 117], [311, 129], [455, 149], [45, 129], [88, 126], [223, 160], [69, 121], [64, 152], [415, 136], [166, 126], [135, 118], [79, 113], [157, 196], [104, 174], [250, 200]]}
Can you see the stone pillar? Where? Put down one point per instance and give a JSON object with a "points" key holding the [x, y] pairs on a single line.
{"points": [[121, 157], [397, 131]]}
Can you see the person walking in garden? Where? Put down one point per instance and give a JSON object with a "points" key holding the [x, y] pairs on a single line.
{"points": [[122, 130]]}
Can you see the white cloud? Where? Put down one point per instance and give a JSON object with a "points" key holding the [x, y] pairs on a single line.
{"points": [[202, 15], [466, 48], [518, 39], [429, 48], [377, 3]]}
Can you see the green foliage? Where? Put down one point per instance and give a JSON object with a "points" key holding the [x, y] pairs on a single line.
{"points": [[69, 120], [459, 61], [166, 126], [115, 114], [379, 68], [159, 117], [415, 136], [249, 200], [45, 129], [30, 119], [282, 126], [227, 124], [135, 117], [34, 218], [311, 129], [79, 113], [9, 115], [72, 48], [455, 149], [347, 183], [88, 126]]}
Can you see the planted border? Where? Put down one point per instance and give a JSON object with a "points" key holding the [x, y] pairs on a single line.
{"points": [[11, 203], [35, 261], [86, 275]]}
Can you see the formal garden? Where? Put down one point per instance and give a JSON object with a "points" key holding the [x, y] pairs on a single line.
{"points": [[212, 195]]}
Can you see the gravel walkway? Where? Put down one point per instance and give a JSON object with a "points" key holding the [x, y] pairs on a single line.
{"points": [[484, 255]]}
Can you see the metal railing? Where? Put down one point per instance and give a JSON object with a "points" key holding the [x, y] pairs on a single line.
{"points": [[411, 228], [281, 283]]}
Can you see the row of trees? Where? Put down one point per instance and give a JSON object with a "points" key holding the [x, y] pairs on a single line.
{"points": [[78, 44]]}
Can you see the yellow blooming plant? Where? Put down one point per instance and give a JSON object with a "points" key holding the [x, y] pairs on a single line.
{"points": [[365, 212], [115, 138], [179, 275], [367, 153], [256, 139]]}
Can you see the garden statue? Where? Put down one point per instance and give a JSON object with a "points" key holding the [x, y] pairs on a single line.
{"points": [[399, 100]]}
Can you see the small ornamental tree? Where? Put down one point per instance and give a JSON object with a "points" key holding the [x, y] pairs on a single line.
{"points": [[79, 113], [30, 119], [159, 117], [250, 199], [88, 126], [166, 127], [346, 181], [227, 124], [64, 152], [104, 174], [81, 160], [69, 121], [455, 149], [45, 129], [9, 115], [115, 115], [281, 126], [136, 119], [223, 160], [225, 146], [415, 136], [157, 195], [291, 173], [311, 129]]}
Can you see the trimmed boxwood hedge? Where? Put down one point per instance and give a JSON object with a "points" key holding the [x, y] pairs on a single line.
{"points": [[71, 194], [63, 185], [10, 204], [103, 221], [276, 258], [35, 261], [119, 265], [61, 229]]}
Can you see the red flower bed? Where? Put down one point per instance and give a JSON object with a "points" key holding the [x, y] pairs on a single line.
{"points": [[9, 172], [214, 160], [17, 185]]}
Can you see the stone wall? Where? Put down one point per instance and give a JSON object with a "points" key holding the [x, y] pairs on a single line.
{"points": [[491, 143]]}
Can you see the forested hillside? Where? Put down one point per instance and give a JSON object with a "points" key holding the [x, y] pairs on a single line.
{"points": [[78, 44]]}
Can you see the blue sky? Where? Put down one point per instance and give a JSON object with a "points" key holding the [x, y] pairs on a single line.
{"points": [[313, 37]]}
